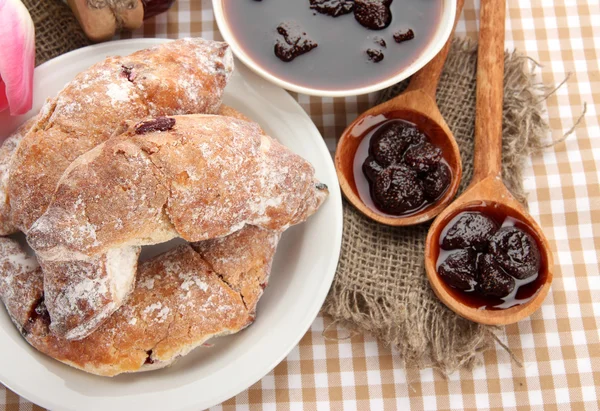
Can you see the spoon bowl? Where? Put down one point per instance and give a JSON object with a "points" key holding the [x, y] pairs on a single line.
{"points": [[416, 105], [429, 120], [486, 188], [490, 194]]}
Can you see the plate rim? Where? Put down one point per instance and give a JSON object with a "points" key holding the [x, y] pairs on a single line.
{"points": [[336, 236]]}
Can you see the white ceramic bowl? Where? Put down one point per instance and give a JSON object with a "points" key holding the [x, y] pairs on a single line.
{"points": [[440, 37]]}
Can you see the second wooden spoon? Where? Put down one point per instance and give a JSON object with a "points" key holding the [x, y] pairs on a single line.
{"points": [[487, 191]]}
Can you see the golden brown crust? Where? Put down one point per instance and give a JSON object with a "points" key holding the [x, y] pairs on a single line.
{"points": [[178, 303], [207, 177], [244, 269], [183, 76]]}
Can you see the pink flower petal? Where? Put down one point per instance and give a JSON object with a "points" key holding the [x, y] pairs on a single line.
{"points": [[17, 56]]}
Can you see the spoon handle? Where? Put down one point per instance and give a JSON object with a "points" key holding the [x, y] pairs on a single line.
{"points": [[428, 77], [490, 90]]}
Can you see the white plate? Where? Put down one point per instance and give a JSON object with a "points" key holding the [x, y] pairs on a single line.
{"points": [[302, 273]]}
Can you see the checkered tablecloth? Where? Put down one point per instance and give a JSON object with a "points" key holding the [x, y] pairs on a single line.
{"points": [[560, 344]]}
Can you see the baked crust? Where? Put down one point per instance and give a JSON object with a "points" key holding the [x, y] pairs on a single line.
{"points": [[80, 295], [244, 270], [196, 177], [227, 111], [183, 76], [109, 165], [178, 303], [205, 177]]}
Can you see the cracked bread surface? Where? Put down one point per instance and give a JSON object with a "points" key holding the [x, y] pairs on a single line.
{"points": [[243, 270]]}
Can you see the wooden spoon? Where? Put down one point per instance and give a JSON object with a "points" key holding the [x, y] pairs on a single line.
{"points": [[416, 105], [487, 189]]}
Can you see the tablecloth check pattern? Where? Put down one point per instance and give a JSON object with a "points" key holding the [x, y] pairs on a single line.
{"points": [[559, 344]]}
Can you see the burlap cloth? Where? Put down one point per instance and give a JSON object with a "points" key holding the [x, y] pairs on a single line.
{"points": [[380, 285], [56, 29]]}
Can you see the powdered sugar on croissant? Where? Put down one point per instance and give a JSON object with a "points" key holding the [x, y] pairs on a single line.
{"points": [[7, 151], [112, 164], [196, 177], [21, 281], [183, 76], [82, 294]]}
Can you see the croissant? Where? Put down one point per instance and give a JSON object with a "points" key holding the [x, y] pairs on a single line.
{"points": [[196, 177], [183, 76], [181, 299], [87, 288]]}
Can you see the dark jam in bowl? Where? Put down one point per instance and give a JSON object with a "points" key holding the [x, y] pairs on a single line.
{"points": [[340, 61], [397, 170], [489, 259]]}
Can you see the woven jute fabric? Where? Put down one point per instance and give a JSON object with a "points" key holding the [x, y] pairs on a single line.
{"points": [[56, 29], [380, 285]]}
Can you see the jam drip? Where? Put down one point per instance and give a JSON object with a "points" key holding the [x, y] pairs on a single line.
{"points": [[149, 359]]}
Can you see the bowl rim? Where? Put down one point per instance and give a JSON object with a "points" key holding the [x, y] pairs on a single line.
{"points": [[433, 48]]}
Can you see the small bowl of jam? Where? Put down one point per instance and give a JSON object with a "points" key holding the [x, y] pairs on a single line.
{"points": [[489, 264], [335, 48]]}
